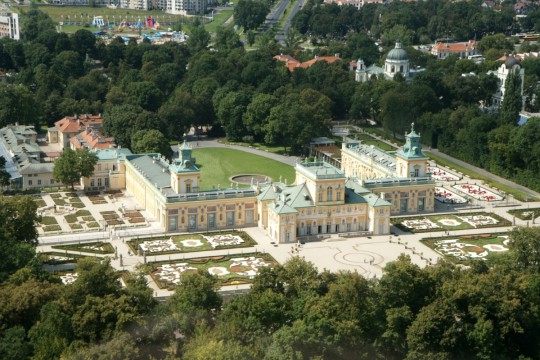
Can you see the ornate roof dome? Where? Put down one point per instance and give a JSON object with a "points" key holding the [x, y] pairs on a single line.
{"points": [[397, 53], [511, 62]]}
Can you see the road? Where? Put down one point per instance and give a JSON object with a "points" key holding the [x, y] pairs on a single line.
{"points": [[280, 37], [275, 13]]}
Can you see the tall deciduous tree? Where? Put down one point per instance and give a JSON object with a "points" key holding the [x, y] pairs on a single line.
{"points": [[74, 164], [150, 141], [18, 234], [250, 14]]}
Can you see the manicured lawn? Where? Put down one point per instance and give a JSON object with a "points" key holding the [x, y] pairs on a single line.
{"points": [[248, 241], [280, 150], [519, 195], [446, 219], [525, 214], [218, 165], [219, 20], [97, 247], [478, 243]]}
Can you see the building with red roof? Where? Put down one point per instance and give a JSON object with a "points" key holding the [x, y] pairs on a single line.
{"points": [[71, 126], [291, 63], [463, 49]]}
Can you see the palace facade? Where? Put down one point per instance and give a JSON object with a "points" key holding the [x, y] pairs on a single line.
{"points": [[324, 200]]}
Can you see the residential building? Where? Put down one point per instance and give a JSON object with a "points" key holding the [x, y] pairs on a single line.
{"points": [[91, 138], [24, 158], [510, 66], [292, 64], [442, 50], [71, 126], [9, 24]]}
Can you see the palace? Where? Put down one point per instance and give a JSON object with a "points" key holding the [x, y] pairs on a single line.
{"points": [[324, 200]]}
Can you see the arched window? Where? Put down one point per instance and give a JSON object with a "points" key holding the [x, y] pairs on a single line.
{"points": [[401, 68], [320, 196], [392, 69], [338, 195], [329, 194]]}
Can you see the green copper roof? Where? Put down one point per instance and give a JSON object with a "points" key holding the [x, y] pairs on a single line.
{"points": [[412, 148], [375, 201], [319, 170]]}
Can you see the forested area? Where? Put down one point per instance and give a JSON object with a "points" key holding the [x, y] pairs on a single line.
{"points": [[292, 311], [152, 94]]}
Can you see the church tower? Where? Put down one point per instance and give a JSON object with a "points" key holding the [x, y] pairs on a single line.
{"points": [[185, 175], [397, 61], [410, 160]]}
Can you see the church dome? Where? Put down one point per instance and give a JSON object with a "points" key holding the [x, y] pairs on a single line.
{"points": [[511, 62], [397, 53]]}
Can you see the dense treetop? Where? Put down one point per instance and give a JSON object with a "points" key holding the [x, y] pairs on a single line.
{"points": [[249, 96]]}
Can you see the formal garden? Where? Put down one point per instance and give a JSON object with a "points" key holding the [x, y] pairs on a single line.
{"points": [[478, 192], [450, 222], [440, 174], [464, 248], [96, 247], [59, 257], [230, 269], [191, 242], [525, 214], [448, 197]]}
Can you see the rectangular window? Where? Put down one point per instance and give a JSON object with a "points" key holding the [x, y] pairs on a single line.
{"points": [[211, 220], [250, 217], [106, 182], [52, 181], [99, 182], [230, 218], [30, 182], [99, 167], [192, 222], [173, 223], [188, 187], [39, 182], [421, 204], [92, 183]]}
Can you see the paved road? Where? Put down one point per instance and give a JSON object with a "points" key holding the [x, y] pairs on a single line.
{"points": [[274, 15], [280, 37], [486, 173], [204, 143]]}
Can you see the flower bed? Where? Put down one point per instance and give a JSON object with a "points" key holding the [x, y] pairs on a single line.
{"points": [[48, 220], [185, 243], [231, 268], [50, 228], [57, 258], [525, 214], [97, 247], [465, 248], [449, 222]]}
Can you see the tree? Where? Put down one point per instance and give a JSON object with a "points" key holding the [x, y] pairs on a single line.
{"points": [[17, 105], [74, 164], [150, 141], [18, 234], [119, 121], [525, 245], [198, 39], [4, 175], [512, 102], [227, 39], [250, 14]]}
